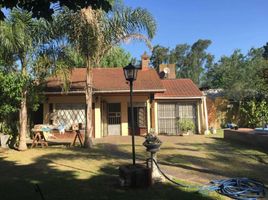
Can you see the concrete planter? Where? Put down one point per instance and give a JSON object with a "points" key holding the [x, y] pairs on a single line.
{"points": [[4, 140]]}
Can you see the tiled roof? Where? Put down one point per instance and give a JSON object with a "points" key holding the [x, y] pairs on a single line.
{"points": [[109, 80], [179, 88]]}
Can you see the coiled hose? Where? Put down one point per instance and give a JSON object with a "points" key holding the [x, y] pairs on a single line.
{"points": [[235, 188]]}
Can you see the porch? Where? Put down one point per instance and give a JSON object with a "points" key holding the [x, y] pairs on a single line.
{"points": [[111, 113]]}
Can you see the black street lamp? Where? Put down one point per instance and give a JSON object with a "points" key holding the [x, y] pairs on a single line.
{"points": [[130, 73]]}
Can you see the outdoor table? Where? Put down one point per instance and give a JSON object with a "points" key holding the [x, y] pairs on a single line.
{"points": [[39, 139], [79, 136]]}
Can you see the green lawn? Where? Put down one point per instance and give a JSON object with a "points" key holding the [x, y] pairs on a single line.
{"points": [[75, 173]]}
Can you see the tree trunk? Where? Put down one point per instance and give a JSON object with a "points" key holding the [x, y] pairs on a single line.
{"points": [[89, 126], [23, 123], [23, 116]]}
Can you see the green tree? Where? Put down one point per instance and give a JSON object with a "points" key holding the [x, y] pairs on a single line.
{"points": [[95, 33], [179, 54], [45, 8], [117, 57], [239, 75], [190, 61], [18, 40], [159, 55], [193, 63], [265, 52], [10, 89]]}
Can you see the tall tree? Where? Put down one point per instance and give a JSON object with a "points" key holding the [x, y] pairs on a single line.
{"points": [[194, 61], [190, 60], [160, 55], [239, 75], [46, 8], [265, 52], [95, 33], [179, 54], [18, 40]]}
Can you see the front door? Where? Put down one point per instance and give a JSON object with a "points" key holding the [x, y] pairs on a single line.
{"points": [[114, 118]]}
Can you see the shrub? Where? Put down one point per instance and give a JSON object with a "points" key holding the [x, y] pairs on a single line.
{"points": [[186, 125], [255, 112]]}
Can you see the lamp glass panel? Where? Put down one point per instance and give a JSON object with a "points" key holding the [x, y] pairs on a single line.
{"points": [[130, 73]]}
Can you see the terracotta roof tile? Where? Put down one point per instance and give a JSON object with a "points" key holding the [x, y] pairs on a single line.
{"points": [[109, 79], [179, 88]]}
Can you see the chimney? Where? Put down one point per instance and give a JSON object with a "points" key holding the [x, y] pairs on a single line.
{"points": [[167, 71], [145, 59]]}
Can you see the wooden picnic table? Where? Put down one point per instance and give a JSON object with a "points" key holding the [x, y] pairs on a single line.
{"points": [[41, 136], [39, 139]]}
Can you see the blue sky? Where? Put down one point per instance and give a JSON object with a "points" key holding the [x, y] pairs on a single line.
{"points": [[230, 24]]}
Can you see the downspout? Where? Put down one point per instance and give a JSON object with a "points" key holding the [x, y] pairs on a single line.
{"points": [[206, 114]]}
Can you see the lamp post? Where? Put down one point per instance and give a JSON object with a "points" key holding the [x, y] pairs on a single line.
{"points": [[130, 73]]}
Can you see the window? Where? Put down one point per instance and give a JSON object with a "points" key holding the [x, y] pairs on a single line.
{"points": [[170, 113]]}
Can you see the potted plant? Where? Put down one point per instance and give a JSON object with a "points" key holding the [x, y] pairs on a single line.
{"points": [[186, 126]]}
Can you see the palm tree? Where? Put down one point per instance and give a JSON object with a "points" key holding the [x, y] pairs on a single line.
{"points": [[95, 33], [18, 38]]}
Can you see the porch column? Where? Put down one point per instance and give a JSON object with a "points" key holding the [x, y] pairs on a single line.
{"points": [[199, 116], [97, 127], [124, 117], [148, 106], [206, 114], [155, 117]]}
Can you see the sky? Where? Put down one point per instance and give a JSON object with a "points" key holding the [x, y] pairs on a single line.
{"points": [[229, 24]]}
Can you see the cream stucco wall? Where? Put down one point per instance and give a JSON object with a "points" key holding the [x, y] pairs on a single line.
{"points": [[124, 118], [99, 100], [66, 99], [124, 101]]}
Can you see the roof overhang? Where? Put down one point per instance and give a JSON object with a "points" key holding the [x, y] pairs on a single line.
{"points": [[127, 91], [178, 98], [105, 91], [65, 93]]}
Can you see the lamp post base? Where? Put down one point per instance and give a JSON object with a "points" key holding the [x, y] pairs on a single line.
{"points": [[135, 176], [157, 177]]}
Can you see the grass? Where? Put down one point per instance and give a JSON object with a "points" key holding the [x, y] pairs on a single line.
{"points": [[75, 173]]}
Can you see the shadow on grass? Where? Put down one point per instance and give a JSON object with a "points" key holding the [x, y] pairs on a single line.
{"points": [[17, 180], [220, 158]]}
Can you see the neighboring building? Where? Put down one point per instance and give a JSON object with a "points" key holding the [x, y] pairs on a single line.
{"points": [[220, 109], [111, 101]]}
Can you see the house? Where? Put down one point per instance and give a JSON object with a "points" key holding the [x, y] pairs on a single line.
{"points": [[181, 100], [111, 111]]}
